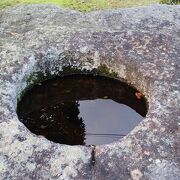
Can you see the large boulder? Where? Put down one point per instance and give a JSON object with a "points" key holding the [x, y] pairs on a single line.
{"points": [[140, 44]]}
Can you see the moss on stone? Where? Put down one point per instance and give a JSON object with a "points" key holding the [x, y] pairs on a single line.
{"points": [[103, 70], [38, 77]]}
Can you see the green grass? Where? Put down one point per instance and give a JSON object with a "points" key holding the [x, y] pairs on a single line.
{"points": [[82, 5], [170, 1]]}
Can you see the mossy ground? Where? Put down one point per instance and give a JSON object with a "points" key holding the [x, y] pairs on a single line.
{"points": [[82, 5]]}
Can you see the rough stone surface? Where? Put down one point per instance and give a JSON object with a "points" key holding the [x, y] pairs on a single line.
{"points": [[141, 44]]}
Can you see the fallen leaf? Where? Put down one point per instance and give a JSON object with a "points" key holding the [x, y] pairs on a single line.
{"points": [[138, 95]]}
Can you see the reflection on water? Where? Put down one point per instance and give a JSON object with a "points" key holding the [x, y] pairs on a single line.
{"points": [[81, 109], [107, 120]]}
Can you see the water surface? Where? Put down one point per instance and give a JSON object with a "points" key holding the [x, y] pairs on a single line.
{"points": [[81, 109]]}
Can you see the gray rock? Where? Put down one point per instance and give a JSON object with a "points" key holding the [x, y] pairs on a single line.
{"points": [[141, 44]]}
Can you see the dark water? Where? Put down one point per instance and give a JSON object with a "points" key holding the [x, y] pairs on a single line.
{"points": [[81, 109]]}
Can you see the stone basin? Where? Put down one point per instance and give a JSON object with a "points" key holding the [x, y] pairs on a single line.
{"points": [[141, 45]]}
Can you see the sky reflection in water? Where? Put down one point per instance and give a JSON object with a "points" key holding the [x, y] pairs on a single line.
{"points": [[105, 116]]}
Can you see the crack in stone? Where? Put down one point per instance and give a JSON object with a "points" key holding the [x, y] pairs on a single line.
{"points": [[92, 161]]}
